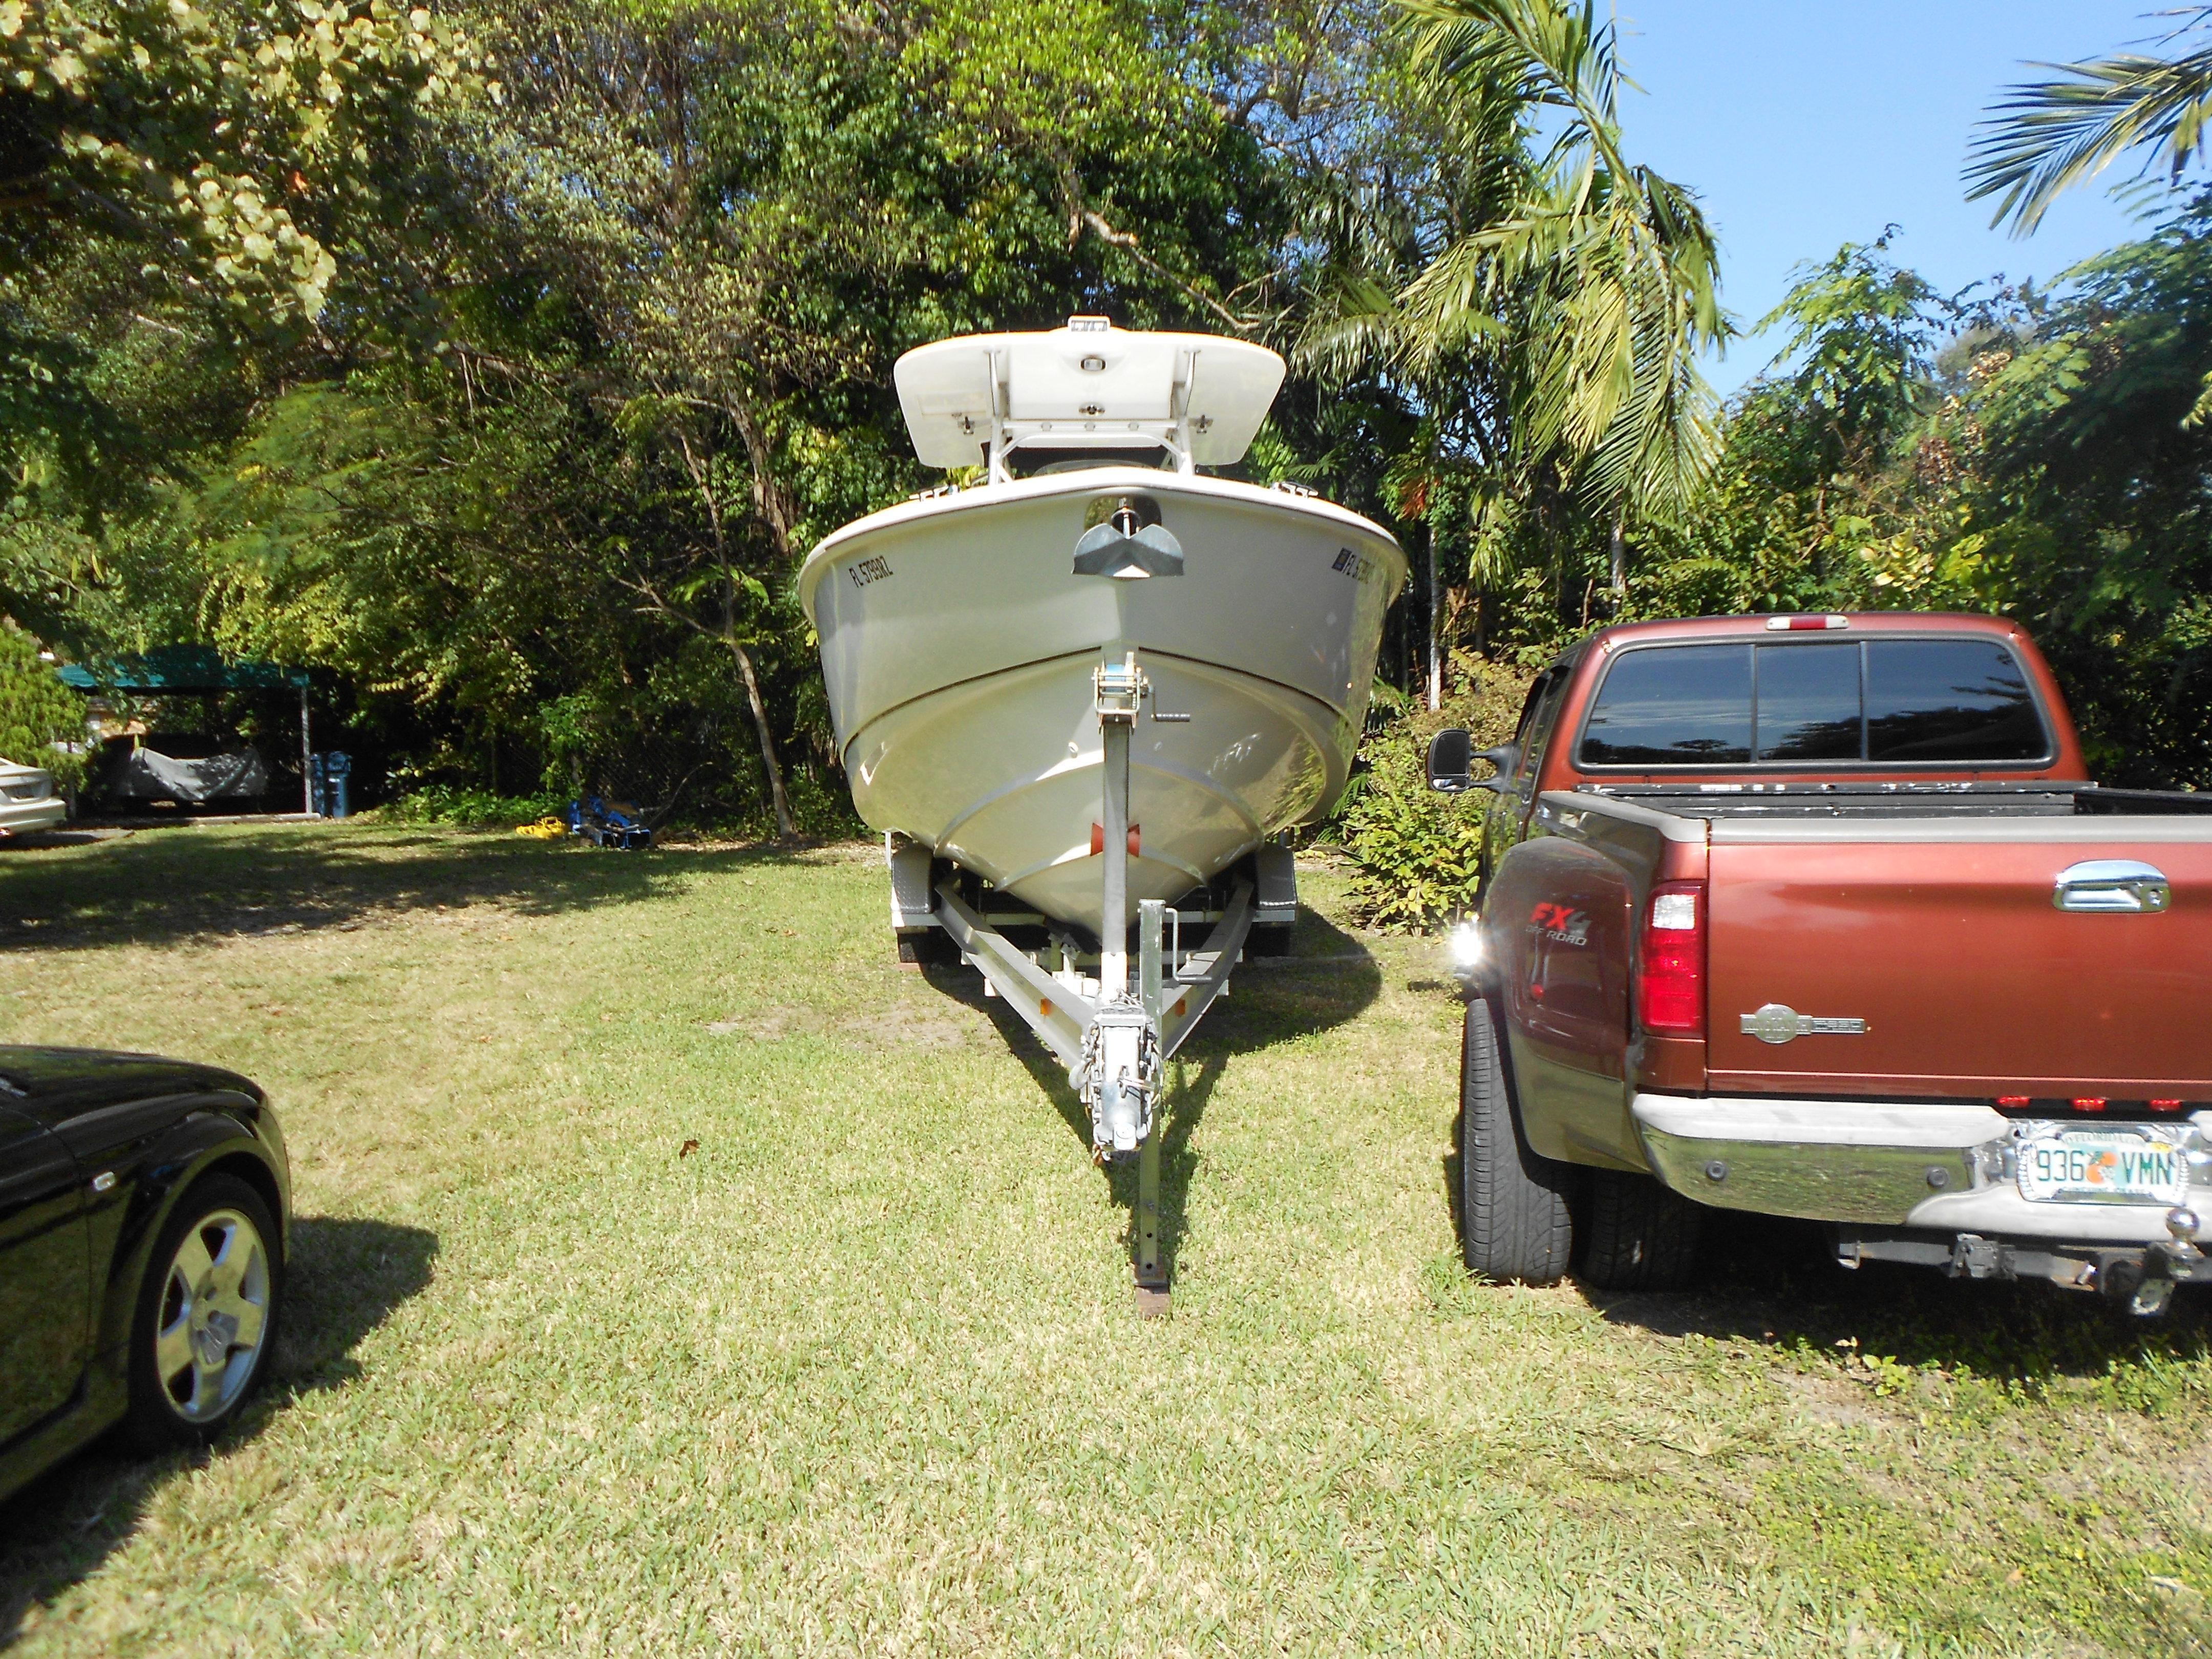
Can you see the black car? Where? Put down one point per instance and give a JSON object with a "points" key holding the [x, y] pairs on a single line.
{"points": [[143, 1208]]}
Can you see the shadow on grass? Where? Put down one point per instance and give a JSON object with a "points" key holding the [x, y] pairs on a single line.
{"points": [[345, 1277], [1328, 979], [181, 883], [1773, 1282]]}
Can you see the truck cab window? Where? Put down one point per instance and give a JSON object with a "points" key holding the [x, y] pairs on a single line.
{"points": [[1949, 699], [1957, 702], [1537, 720], [1808, 702], [1540, 685], [1673, 706]]}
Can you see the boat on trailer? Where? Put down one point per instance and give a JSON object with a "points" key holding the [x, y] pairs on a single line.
{"points": [[1097, 677]]}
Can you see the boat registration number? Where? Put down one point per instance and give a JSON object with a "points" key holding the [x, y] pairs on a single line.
{"points": [[2062, 1164]]}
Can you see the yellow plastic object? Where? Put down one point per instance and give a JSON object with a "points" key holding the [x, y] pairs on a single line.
{"points": [[543, 829]]}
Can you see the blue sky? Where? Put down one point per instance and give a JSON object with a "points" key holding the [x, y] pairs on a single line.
{"points": [[1804, 125]]}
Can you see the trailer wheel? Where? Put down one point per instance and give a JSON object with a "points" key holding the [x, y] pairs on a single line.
{"points": [[1515, 1225], [1638, 1235]]}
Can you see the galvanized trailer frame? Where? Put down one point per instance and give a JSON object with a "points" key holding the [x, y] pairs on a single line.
{"points": [[1114, 1038]]}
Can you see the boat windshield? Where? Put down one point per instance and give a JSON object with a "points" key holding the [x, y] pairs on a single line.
{"points": [[1036, 460]]}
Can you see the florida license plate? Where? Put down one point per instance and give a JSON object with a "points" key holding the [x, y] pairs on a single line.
{"points": [[2065, 1164]]}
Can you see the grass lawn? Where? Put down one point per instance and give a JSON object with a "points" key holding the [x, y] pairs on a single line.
{"points": [[860, 1372]]}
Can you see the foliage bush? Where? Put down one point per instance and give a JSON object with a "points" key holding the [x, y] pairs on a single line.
{"points": [[821, 810], [36, 711], [445, 803], [1418, 853]]}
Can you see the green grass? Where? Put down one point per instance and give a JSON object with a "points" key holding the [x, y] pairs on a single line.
{"points": [[861, 1373]]}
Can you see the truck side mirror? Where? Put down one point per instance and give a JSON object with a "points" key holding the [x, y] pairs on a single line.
{"points": [[1451, 759]]}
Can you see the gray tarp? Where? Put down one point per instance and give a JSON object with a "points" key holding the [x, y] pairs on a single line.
{"points": [[145, 775]]}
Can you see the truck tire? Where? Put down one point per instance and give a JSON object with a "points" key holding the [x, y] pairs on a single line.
{"points": [[1638, 1235], [1516, 1226]]}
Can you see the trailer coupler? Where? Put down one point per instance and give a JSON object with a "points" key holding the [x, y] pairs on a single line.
{"points": [[1121, 1072]]}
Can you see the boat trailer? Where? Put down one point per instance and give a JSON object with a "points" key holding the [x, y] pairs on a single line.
{"points": [[1115, 1038]]}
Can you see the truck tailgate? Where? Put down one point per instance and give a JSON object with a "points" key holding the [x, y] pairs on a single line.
{"points": [[1943, 939]]}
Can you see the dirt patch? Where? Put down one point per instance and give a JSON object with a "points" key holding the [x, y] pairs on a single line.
{"points": [[1831, 1400], [914, 1028], [770, 1024], [899, 1027]]}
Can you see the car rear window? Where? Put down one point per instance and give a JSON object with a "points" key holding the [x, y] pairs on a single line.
{"points": [[1954, 702], [1675, 705]]}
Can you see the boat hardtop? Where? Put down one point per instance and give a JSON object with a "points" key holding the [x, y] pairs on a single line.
{"points": [[977, 398]]}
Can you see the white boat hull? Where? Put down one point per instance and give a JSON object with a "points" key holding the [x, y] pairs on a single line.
{"points": [[958, 648]]}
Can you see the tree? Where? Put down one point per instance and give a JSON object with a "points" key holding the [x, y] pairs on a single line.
{"points": [[1538, 306], [38, 713], [756, 206], [1612, 265], [186, 169], [2086, 481], [2010, 451], [614, 353], [2045, 136], [1808, 469]]}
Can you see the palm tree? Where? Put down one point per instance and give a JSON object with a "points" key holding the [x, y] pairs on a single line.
{"points": [[2045, 136], [1612, 267], [1545, 313]]}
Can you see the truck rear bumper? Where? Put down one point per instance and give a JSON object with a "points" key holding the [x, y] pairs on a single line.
{"points": [[1943, 1168]]}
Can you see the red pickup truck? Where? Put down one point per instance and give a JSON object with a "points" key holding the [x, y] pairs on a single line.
{"points": [[1821, 916]]}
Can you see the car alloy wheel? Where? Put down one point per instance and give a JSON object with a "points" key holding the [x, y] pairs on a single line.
{"points": [[213, 1319]]}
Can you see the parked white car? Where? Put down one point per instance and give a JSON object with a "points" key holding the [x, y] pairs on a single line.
{"points": [[27, 800]]}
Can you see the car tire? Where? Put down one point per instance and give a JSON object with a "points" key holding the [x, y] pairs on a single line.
{"points": [[1638, 1235], [1516, 1223], [196, 1353]]}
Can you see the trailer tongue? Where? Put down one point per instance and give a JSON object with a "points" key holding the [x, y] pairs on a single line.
{"points": [[1113, 1040]]}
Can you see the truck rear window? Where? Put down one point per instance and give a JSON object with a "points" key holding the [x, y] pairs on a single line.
{"points": [[1954, 701]]}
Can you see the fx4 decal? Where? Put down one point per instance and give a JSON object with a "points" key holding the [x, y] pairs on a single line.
{"points": [[1560, 924]]}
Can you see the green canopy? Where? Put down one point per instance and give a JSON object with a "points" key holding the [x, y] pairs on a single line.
{"points": [[181, 668]]}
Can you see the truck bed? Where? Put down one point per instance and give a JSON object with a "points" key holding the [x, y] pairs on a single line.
{"points": [[1922, 924], [1903, 800]]}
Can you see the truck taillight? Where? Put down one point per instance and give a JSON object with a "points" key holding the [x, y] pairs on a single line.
{"points": [[1670, 989]]}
